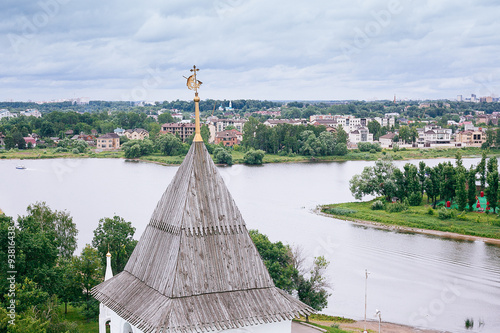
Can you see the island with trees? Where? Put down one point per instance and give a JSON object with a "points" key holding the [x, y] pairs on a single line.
{"points": [[446, 200]]}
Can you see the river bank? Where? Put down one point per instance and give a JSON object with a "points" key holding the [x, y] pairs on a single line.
{"points": [[326, 323], [472, 226], [353, 155]]}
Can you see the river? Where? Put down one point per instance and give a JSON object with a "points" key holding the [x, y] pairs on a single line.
{"points": [[414, 279]]}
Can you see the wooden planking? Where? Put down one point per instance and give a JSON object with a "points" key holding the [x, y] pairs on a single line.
{"points": [[151, 311], [195, 268]]}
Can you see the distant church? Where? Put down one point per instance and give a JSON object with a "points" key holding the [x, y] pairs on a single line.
{"points": [[195, 268]]}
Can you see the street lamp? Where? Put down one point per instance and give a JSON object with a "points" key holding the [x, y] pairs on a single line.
{"points": [[379, 314]]}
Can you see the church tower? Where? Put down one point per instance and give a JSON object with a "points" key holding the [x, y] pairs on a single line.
{"points": [[195, 268], [105, 313]]}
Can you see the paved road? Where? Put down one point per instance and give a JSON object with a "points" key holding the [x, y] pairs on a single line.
{"points": [[298, 328]]}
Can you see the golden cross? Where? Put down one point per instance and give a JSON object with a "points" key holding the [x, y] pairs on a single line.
{"points": [[192, 82]]}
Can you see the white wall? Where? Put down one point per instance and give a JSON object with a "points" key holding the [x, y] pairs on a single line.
{"points": [[118, 324]]}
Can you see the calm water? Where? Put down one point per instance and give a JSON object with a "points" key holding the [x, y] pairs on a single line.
{"points": [[414, 279]]}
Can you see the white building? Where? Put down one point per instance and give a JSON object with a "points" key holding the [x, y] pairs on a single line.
{"points": [[387, 121], [216, 125], [4, 113], [361, 134], [434, 135], [31, 113]]}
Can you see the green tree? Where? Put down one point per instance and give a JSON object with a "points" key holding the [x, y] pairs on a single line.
{"points": [[116, 235], [311, 145], [404, 133], [56, 224], [492, 190], [168, 144], [422, 175], [492, 181], [312, 291], [377, 180], [432, 184], [460, 188], [471, 188], [253, 157], [374, 128], [222, 156], [481, 170], [448, 183], [90, 273], [278, 259], [166, 118]]}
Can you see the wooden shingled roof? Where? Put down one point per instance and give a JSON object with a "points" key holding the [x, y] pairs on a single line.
{"points": [[195, 268]]}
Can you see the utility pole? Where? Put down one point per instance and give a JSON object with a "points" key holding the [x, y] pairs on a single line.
{"points": [[366, 289]]}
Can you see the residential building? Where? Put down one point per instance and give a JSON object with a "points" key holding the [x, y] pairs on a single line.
{"points": [[276, 122], [387, 121], [119, 131], [325, 122], [361, 134], [108, 141], [4, 113], [228, 138], [472, 138], [434, 135], [315, 117], [386, 140], [216, 125], [31, 113], [30, 141], [137, 134], [183, 131]]}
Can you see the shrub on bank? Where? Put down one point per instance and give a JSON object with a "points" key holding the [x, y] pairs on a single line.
{"points": [[445, 214], [377, 205], [397, 207], [339, 211]]}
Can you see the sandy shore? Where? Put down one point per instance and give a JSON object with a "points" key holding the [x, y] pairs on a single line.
{"points": [[397, 228], [386, 328]]}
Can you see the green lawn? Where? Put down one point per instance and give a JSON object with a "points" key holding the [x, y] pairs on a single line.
{"points": [[468, 223], [329, 323], [75, 316]]}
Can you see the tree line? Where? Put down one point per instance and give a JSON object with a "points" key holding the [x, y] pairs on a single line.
{"points": [[50, 275], [287, 139], [445, 181]]}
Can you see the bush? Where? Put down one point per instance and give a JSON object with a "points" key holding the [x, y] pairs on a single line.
{"points": [[430, 211], [339, 211], [75, 151], [373, 151], [415, 199], [445, 214], [396, 207], [377, 205], [61, 150], [222, 156], [254, 157]]}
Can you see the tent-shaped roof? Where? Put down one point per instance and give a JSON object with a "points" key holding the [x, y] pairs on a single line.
{"points": [[196, 268]]}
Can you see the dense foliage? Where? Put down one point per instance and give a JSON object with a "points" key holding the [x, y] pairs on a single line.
{"points": [[444, 181]]}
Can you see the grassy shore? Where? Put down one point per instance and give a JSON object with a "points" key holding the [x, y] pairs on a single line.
{"points": [[329, 323], [419, 217], [353, 155]]}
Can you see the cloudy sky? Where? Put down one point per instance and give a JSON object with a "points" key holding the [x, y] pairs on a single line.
{"points": [[260, 49]]}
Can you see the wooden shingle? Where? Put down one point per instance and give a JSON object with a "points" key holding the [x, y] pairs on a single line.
{"points": [[195, 268]]}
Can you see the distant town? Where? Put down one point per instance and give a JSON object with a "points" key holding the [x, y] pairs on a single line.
{"points": [[466, 122]]}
